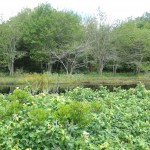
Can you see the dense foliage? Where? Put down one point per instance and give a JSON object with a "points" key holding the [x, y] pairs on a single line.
{"points": [[78, 119], [45, 39]]}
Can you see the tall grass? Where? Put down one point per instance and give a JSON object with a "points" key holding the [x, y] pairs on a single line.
{"points": [[36, 79]]}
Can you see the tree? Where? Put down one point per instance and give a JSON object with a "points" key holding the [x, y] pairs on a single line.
{"points": [[143, 21], [132, 43], [48, 31], [10, 36], [71, 57], [117, 54], [98, 35]]}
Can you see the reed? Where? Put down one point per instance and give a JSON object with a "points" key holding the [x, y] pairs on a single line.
{"points": [[47, 79]]}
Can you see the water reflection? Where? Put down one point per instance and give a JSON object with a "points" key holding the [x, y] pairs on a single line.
{"points": [[61, 88], [7, 89]]}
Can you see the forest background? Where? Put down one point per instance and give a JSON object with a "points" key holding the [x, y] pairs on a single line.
{"points": [[45, 39]]}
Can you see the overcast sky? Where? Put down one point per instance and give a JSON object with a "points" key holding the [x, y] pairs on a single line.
{"points": [[115, 9]]}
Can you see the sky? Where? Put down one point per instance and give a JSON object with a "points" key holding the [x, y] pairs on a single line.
{"points": [[115, 9]]}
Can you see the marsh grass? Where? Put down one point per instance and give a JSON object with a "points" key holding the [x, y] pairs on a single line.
{"points": [[46, 79]]}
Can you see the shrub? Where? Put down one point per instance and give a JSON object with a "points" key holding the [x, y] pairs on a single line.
{"points": [[96, 120], [38, 115], [74, 112]]}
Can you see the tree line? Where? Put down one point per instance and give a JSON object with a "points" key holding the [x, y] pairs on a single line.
{"points": [[44, 39]]}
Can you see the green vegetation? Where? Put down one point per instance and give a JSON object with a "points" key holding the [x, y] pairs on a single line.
{"points": [[43, 46], [45, 80], [44, 39], [78, 119]]}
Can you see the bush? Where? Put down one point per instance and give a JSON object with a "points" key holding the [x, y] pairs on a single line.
{"points": [[74, 112], [96, 120]]}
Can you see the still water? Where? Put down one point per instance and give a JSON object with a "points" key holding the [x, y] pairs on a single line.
{"points": [[61, 88]]}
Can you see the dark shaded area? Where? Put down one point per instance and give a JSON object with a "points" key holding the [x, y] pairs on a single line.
{"points": [[27, 65], [65, 87]]}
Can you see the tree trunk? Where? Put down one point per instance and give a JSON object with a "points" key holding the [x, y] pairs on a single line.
{"points": [[137, 66], [11, 67], [49, 67], [137, 71], [101, 65], [101, 69], [71, 70], [115, 66]]}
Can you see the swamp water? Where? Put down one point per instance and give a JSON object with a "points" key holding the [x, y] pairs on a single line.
{"points": [[61, 88]]}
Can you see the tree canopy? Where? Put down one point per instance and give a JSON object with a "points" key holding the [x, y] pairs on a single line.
{"points": [[46, 39]]}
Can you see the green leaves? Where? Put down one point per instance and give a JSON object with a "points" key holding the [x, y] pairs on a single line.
{"points": [[75, 112], [38, 115], [48, 31], [79, 119]]}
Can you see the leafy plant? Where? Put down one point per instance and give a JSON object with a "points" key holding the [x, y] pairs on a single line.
{"points": [[112, 120], [38, 115], [74, 112]]}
